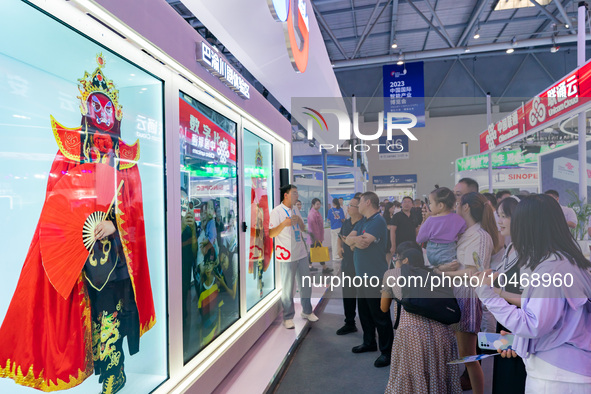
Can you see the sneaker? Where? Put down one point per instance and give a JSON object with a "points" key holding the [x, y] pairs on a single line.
{"points": [[311, 317], [346, 329], [288, 324], [313, 269]]}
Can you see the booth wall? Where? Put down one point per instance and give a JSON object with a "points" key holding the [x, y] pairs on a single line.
{"points": [[159, 23], [432, 157]]}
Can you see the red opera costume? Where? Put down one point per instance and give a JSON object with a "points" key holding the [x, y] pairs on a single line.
{"points": [[50, 339], [261, 245]]}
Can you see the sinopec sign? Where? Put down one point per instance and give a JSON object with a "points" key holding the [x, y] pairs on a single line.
{"points": [[293, 15]]}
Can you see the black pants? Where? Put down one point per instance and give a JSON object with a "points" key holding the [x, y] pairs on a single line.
{"points": [[349, 294], [373, 318]]}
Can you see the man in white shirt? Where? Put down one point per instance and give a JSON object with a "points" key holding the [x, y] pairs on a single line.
{"points": [[569, 213], [286, 227]]}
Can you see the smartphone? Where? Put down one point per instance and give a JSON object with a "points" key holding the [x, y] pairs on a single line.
{"points": [[494, 341], [427, 204]]}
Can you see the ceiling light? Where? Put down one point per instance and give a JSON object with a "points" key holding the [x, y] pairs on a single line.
{"points": [[477, 34], [467, 50], [554, 49], [394, 45], [510, 50], [567, 26], [400, 62]]}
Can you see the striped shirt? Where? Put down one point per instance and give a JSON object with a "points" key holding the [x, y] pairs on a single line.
{"points": [[475, 248]]}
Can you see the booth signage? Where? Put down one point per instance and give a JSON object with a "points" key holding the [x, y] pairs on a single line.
{"points": [[568, 170], [293, 15], [404, 90], [553, 102], [394, 179], [517, 178], [512, 158], [396, 148], [218, 66], [561, 98], [504, 130], [203, 137]]}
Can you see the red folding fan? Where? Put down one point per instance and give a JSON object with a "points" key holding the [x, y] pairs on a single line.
{"points": [[80, 200]]}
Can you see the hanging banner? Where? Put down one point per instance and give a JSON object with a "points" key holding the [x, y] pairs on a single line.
{"points": [[404, 90], [203, 138], [561, 98]]}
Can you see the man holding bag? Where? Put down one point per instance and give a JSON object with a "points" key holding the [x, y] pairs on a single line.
{"points": [[286, 227]]}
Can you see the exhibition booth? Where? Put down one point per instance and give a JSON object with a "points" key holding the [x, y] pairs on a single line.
{"points": [[151, 163]]}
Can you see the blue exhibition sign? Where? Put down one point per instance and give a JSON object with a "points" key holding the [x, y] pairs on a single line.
{"points": [[396, 148], [394, 179], [404, 90]]}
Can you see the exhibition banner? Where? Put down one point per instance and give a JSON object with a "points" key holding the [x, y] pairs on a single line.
{"points": [[404, 90], [562, 97]]}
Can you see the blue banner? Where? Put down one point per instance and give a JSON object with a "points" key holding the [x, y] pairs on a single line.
{"points": [[331, 160], [394, 179], [396, 148], [404, 90]]}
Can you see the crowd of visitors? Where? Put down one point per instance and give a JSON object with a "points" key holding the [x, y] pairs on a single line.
{"points": [[516, 269]]}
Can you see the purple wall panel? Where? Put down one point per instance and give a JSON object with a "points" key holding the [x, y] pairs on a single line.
{"points": [[160, 24]]}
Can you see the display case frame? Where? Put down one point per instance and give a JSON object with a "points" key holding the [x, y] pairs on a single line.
{"points": [[225, 351]]}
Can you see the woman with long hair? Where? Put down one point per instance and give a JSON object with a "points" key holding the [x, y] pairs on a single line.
{"points": [[508, 373], [336, 217], [316, 230], [553, 326], [474, 250]]}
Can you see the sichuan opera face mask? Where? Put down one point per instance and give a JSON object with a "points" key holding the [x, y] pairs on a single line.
{"points": [[101, 111]]}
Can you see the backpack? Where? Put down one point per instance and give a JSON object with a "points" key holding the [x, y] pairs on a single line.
{"points": [[437, 304]]}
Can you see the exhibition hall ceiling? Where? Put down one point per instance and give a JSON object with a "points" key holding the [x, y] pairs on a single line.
{"points": [[464, 45]]}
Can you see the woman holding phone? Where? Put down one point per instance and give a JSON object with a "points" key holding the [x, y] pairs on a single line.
{"points": [[553, 326]]}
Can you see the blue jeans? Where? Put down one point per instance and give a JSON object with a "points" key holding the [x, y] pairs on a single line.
{"points": [[291, 271], [438, 254]]}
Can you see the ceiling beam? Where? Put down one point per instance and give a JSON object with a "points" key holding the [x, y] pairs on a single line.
{"points": [[326, 28], [472, 76], [545, 12], [444, 38], [354, 18], [505, 26], [475, 17], [393, 23], [436, 53], [428, 31], [512, 79], [425, 29], [565, 16], [552, 78], [547, 21], [441, 25], [368, 27], [441, 84]]}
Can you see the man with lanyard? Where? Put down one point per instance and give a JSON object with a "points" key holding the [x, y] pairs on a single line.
{"points": [[369, 240], [348, 268], [286, 226]]}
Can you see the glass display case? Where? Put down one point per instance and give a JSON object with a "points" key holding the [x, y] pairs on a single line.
{"points": [[82, 202]]}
